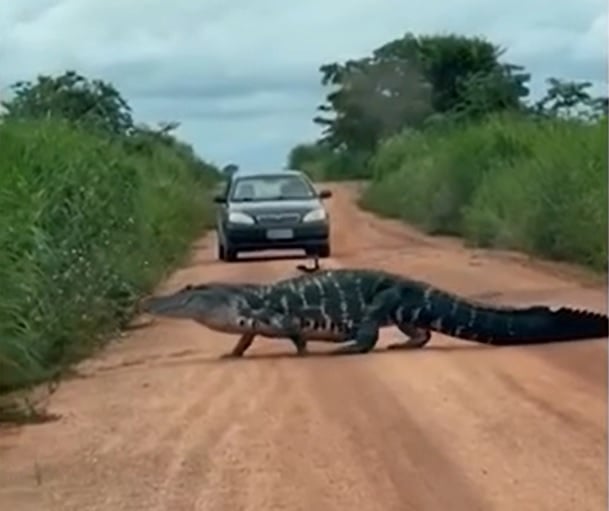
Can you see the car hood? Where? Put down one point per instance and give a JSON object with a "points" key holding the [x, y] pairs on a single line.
{"points": [[273, 206]]}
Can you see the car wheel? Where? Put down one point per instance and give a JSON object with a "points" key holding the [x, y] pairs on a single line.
{"points": [[324, 251], [230, 254]]}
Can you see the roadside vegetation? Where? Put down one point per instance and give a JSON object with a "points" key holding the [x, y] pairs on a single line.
{"points": [[445, 134], [94, 210]]}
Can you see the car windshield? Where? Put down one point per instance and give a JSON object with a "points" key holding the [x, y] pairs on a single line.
{"points": [[276, 187]]}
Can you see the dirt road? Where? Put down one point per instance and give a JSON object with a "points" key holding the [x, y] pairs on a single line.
{"points": [[157, 422]]}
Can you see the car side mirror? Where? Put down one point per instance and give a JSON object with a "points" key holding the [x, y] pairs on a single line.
{"points": [[325, 194], [219, 199]]}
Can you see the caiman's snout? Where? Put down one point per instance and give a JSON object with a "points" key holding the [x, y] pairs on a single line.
{"points": [[163, 305], [205, 306], [143, 306], [153, 304]]}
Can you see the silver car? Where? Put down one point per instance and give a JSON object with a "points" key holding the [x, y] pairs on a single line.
{"points": [[272, 210]]}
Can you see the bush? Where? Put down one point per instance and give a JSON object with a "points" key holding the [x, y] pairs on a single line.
{"points": [[538, 185], [339, 166], [322, 163], [87, 224]]}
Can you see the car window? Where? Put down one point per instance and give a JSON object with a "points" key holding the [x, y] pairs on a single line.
{"points": [[260, 188]]}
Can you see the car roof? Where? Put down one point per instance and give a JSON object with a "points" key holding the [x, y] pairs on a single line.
{"points": [[267, 172]]}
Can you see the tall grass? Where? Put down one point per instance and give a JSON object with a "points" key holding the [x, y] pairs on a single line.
{"points": [[509, 182], [86, 225]]}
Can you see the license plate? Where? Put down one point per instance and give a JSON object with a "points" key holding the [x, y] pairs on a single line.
{"points": [[279, 234]]}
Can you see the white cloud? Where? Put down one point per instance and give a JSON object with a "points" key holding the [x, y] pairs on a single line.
{"points": [[242, 76]]}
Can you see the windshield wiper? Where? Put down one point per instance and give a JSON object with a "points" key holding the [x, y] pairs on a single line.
{"points": [[287, 197]]}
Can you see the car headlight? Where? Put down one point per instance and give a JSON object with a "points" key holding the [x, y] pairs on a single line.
{"points": [[317, 215], [235, 217]]}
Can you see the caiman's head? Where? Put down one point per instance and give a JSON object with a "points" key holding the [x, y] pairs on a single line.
{"points": [[214, 306]]}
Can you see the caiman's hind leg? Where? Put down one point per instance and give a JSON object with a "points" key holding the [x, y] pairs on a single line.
{"points": [[244, 342], [366, 334], [364, 340], [418, 337]]}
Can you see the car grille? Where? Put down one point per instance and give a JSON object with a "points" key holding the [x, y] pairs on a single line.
{"points": [[278, 218]]}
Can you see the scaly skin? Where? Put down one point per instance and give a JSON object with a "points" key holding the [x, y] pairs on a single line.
{"points": [[363, 301], [351, 306], [243, 308]]}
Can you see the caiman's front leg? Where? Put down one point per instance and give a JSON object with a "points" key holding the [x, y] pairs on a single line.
{"points": [[300, 343], [282, 325], [244, 342], [288, 328]]}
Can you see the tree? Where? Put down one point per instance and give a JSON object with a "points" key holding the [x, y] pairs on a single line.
{"points": [[450, 61], [484, 92], [302, 155], [408, 81], [374, 98], [566, 98], [72, 97]]}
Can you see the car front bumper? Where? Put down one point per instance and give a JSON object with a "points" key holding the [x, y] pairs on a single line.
{"points": [[271, 237]]}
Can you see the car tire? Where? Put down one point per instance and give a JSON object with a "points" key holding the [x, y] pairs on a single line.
{"points": [[230, 254], [221, 253], [324, 251]]}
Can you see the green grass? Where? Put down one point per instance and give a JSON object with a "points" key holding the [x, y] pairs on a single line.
{"points": [[509, 182], [87, 225]]}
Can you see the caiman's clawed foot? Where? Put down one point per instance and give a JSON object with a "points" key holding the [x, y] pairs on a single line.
{"points": [[245, 341], [302, 352]]}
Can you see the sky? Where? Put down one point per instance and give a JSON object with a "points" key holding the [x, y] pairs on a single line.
{"points": [[242, 76]]}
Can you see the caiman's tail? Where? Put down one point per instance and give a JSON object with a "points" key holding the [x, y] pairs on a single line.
{"points": [[502, 326]]}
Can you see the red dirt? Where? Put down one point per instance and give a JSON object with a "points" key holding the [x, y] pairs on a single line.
{"points": [[157, 422]]}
